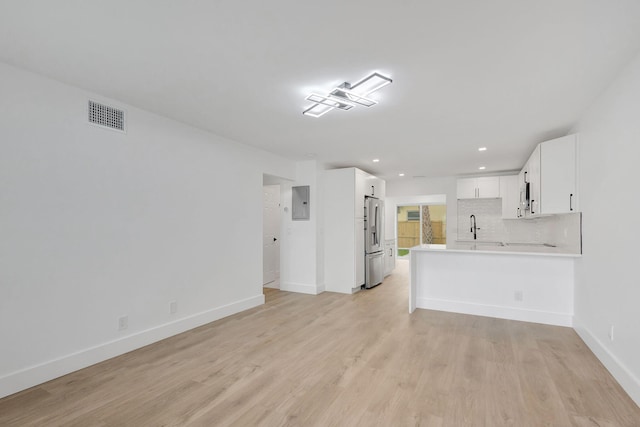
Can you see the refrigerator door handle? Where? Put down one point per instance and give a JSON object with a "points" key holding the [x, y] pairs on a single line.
{"points": [[375, 227]]}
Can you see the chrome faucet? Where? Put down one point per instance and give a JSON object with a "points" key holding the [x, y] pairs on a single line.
{"points": [[474, 229]]}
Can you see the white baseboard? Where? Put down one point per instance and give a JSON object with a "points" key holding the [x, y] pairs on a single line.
{"points": [[512, 313], [627, 380], [301, 288], [34, 375]]}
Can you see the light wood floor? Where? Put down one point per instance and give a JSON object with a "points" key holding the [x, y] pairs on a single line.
{"points": [[337, 360]]}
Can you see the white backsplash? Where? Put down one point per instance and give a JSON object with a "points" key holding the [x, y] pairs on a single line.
{"points": [[563, 231], [524, 231], [559, 230], [489, 221]]}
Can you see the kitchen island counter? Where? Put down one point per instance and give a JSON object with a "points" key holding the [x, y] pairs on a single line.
{"points": [[529, 283], [498, 248]]}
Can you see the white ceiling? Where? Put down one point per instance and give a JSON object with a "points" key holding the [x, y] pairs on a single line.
{"points": [[504, 74]]}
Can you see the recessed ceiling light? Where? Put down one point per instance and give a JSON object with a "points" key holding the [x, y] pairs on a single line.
{"points": [[482, 168], [400, 174], [376, 160], [482, 149]]}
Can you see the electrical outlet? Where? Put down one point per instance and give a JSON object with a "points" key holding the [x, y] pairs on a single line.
{"points": [[123, 323], [173, 307], [517, 295], [611, 332]]}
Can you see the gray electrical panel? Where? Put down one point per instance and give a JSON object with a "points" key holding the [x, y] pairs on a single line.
{"points": [[300, 203]]}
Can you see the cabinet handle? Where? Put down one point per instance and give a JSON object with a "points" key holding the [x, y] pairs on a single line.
{"points": [[532, 202], [518, 214], [525, 177], [570, 202], [373, 190]]}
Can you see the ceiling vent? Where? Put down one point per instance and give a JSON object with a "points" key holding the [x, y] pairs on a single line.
{"points": [[105, 116]]}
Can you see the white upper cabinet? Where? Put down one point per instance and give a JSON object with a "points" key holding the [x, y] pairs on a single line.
{"points": [[522, 201], [486, 187], [510, 194], [467, 188], [551, 171], [361, 182], [558, 183], [375, 187], [532, 176]]}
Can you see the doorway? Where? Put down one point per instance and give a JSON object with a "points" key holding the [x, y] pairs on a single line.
{"points": [[420, 224], [271, 236]]}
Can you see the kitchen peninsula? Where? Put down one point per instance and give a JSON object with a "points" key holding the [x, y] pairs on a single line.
{"points": [[531, 283]]}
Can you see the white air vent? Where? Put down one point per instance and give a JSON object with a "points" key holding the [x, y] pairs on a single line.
{"points": [[103, 115]]}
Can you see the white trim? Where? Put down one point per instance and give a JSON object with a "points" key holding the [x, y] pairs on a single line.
{"points": [[525, 315], [301, 288], [46, 371], [627, 380]]}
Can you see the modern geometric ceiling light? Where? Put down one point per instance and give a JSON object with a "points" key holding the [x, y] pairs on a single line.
{"points": [[346, 96]]}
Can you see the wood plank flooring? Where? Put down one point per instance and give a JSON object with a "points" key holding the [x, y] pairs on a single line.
{"points": [[339, 360]]}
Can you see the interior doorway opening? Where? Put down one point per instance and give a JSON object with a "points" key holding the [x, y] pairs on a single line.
{"points": [[271, 221]]}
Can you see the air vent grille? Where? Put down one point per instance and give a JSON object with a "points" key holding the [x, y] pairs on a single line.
{"points": [[103, 115]]}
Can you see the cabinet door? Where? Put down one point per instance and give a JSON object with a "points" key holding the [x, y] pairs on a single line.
{"points": [[360, 191], [380, 185], [488, 187], [466, 188], [558, 175], [389, 258], [373, 187], [533, 176], [522, 203], [359, 252], [510, 194]]}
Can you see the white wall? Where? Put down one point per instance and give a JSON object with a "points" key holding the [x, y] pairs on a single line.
{"points": [[302, 253], [607, 288], [96, 224]]}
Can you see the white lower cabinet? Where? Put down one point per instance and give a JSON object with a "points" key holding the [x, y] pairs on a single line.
{"points": [[358, 255], [389, 256]]}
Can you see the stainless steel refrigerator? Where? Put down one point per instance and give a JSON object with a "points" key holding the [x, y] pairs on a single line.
{"points": [[373, 242]]}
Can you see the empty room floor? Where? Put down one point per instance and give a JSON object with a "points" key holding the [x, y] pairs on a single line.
{"points": [[343, 360]]}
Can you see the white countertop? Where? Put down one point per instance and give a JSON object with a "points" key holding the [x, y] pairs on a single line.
{"points": [[496, 248]]}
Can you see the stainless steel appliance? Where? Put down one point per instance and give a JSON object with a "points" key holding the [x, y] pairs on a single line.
{"points": [[373, 242]]}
